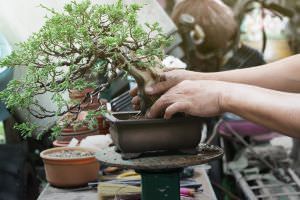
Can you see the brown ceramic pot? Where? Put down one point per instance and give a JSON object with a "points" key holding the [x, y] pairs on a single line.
{"points": [[132, 135], [70, 172]]}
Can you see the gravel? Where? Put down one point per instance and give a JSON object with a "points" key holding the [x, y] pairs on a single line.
{"points": [[71, 154]]}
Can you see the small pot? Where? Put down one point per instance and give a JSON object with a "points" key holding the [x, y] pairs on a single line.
{"points": [[70, 172], [93, 104], [133, 136], [77, 94], [57, 143], [103, 125], [79, 135]]}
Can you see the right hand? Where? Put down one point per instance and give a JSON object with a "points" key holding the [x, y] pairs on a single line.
{"points": [[167, 79]]}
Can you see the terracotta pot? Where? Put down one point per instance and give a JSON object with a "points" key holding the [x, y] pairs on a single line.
{"points": [[77, 94], [56, 143], [103, 125], [69, 117], [90, 106], [79, 132], [96, 103], [79, 135], [70, 172], [70, 129]]}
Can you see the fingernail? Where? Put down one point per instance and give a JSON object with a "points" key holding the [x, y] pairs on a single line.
{"points": [[149, 89], [148, 115], [166, 116]]}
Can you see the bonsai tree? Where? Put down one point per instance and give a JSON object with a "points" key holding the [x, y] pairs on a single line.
{"points": [[83, 41]]}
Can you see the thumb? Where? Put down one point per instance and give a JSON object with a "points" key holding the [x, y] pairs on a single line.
{"points": [[158, 88]]}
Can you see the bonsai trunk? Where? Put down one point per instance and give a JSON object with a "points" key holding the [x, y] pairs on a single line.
{"points": [[145, 77]]}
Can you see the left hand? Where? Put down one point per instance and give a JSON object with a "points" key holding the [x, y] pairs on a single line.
{"points": [[168, 79], [198, 98]]}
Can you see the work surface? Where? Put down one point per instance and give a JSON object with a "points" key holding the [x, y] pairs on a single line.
{"points": [[51, 193]]}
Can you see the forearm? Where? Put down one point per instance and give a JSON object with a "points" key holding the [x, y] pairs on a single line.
{"points": [[283, 75], [276, 110]]}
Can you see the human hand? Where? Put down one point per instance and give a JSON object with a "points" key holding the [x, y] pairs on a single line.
{"points": [[135, 98], [168, 79], [198, 98]]}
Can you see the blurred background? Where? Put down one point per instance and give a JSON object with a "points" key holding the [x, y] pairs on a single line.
{"points": [[210, 35]]}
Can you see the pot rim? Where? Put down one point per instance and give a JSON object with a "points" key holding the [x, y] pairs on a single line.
{"points": [[79, 131], [44, 154], [110, 117]]}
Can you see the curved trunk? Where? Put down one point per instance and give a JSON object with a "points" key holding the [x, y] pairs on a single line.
{"points": [[145, 77]]}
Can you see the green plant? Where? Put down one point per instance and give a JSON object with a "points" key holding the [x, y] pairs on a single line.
{"points": [[2, 133], [83, 41]]}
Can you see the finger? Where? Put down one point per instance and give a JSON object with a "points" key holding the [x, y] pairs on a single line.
{"points": [[136, 107], [157, 108], [169, 69], [175, 108], [136, 100], [158, 88], [134, 92], [162, 77]]}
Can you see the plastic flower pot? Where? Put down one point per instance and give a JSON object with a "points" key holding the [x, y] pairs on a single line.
{"points": [[70, 171]]}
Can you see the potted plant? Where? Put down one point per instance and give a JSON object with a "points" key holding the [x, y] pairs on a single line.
{"points": [[70, 166], [82, 41]]}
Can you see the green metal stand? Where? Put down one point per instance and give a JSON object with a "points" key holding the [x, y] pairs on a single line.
{"points": [[163, 185], [160, 174]]}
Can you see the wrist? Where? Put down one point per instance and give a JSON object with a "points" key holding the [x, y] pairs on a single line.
{"points": [[226, 97], [206, 76]]}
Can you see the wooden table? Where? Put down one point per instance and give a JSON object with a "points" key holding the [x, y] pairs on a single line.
{"points": [[51, 193]]}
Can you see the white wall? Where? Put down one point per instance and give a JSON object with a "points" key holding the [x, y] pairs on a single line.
{"points": [[20, 18]]}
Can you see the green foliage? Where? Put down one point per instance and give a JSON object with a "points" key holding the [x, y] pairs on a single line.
{"points": [[74, 45], [26, 129], [2, 133]]}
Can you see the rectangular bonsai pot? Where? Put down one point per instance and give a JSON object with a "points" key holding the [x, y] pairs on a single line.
{"points": [[146, 135]]}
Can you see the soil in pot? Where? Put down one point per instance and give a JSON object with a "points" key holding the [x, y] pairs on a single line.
{"points": [[69, 153], [70, 166]]}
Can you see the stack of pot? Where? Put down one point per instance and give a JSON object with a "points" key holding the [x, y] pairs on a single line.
{"points": [[82, 131]]}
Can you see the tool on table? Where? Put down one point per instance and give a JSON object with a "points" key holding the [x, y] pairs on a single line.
{"points": [[108, 191], [89, 187], [110, 170], [161, 173], [187, 192], [129, 175], [132, 178]]}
